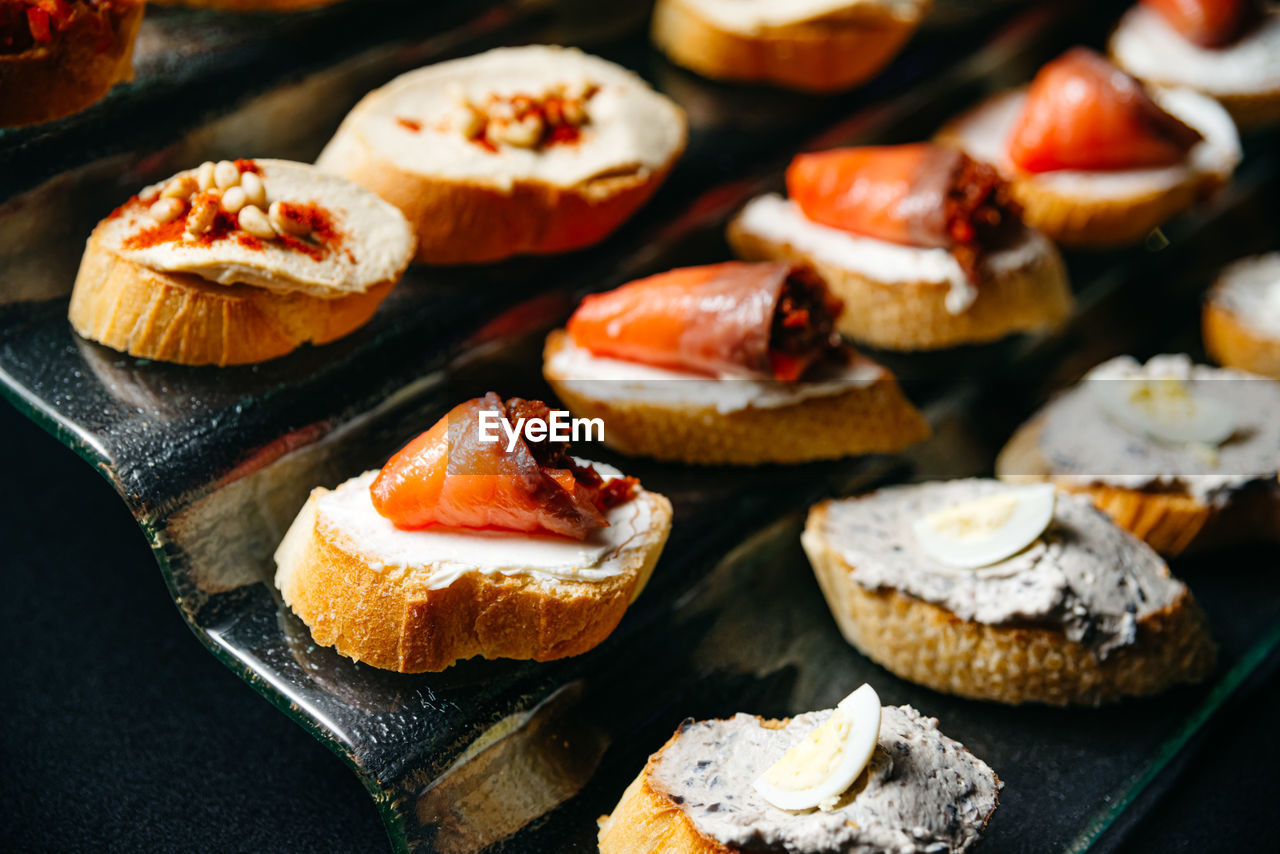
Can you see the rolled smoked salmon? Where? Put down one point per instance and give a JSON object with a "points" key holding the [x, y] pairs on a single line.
{"points": [[448, 476], [1084, 113], [767, 321], [919, 194]]}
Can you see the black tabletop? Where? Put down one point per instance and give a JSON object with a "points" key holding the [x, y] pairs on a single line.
{"points": [[122, 733]]}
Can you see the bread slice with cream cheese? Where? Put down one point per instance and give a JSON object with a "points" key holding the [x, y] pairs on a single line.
{"points": [[528, 150]]}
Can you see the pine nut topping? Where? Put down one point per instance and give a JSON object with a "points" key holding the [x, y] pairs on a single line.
{"points": [[254, 190], [180, 188], [167, 209], [284, 224], [226, 175], [254, 221], [234, 199], [203, 212], [204, 175]]}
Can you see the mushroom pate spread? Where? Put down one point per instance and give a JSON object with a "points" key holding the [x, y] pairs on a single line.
{"points": [[1084, 443], [1084, 575], [921, 792]]}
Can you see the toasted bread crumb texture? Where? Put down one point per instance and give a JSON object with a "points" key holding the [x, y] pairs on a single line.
{"points": [[180, 317]]}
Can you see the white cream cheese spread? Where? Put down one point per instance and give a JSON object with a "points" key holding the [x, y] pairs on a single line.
{"points": [[984, 134], [413, 123], [1083, 575], [921, 792], [347, 515], [1250, 289], [779, 220], [754, 16], [372, 241], [604, 378], [1084, 443], [1146, 46]]}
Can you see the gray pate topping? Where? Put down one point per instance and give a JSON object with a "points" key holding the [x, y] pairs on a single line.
{"points": [[922, 793], [1084, 575], [1085, 444]]}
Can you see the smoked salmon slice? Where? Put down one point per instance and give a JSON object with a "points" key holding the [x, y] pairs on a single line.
{"points": [[763, 321], [1208, 23], [1082, 112], [448, 476], [918, 194]]}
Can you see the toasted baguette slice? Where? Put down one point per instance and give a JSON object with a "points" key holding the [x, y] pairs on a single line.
{"points": [[385, 609], [713, 764], [77, 68], [817, 47], [1170, 522], [1101, 209], [1241, 316], [312, 270], [930, 645], [474, 203], [180, 317], [1234, 344], [1240, 75], [866, 417], [1023, 288]]}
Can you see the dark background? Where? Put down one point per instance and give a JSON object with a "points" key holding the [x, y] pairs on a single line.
{"points": [[121, 733]]}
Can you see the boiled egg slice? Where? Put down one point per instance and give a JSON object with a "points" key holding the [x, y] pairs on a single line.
{"points": [[1165, 408], [816, 771], [986, 530]]}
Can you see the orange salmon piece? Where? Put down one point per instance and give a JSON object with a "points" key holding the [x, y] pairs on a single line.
{"points": [[1084, 113]]}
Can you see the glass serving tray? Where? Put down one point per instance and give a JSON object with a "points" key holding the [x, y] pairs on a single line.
{"points": [[517, 756]]}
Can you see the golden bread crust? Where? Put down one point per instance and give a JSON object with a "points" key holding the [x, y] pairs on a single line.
{"points": [[51, 81], [825, 55], [180, 317], [1170, 522], [876, 418], [647, 821], [931, 646], [1233, 344], [390, 618], [913, 315]]}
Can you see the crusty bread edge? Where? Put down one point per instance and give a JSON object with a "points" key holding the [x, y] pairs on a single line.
{"points": [[1172, 523], [876, 418], [914, 315], [815, 56], [1234, 344], [929, 645], [389, 617], [56, 80], [182, 318]]}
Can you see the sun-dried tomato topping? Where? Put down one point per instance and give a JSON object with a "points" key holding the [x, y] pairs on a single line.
{"points": [[804, 334], [25, 24]]}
